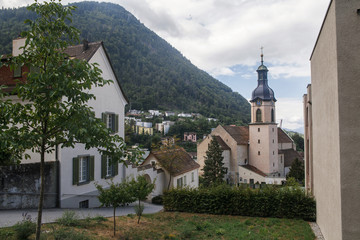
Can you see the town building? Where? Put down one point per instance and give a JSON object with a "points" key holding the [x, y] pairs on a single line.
{"points": [[331, 117], [77, 168], [260, 152], [190, 137], [143, 128]]}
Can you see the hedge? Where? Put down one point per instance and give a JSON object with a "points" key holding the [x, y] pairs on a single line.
{"points": [[286, 202]]}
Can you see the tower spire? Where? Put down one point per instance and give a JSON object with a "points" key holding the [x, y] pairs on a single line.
{"points": [[262, 55]]}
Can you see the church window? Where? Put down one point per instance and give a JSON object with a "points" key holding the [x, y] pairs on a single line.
{"points": [[258, 115], [258, 129], [273, 164], [273, 129], [258, 152], [273, 141], [258, 140], [272, 115], [273, 153]]}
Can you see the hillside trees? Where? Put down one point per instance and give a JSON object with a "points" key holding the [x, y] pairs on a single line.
{"points": [[153, 73], [54, 110]]}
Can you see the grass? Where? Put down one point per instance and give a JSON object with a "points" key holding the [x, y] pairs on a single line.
{"points": [[174, 225]]}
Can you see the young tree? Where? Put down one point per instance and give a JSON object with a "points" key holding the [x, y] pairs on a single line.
{"points": [[214, 171], [297, 171], [118, 194], [54, 110], [140, 189]]}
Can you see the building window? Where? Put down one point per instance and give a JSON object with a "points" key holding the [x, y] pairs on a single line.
{"points": [[153, 164], [258, 115], [192, 177], [258, 129], [273, 164], [258, 152], [84, 204], [258, 140], [108, 167], [111, 120], [184, 180], [273, 153], [83, 169], [179, 182], [273, 141], [272, 115], [17, 72], [273, 129]]}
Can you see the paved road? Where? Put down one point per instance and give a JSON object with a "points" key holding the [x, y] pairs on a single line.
{"points": [[10, 217]]}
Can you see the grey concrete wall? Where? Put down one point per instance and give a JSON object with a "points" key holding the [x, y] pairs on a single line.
{"points": [[326, 144], [20, 186], [348, 58]]}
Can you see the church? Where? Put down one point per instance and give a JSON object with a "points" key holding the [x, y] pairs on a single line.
{"points": [[260, 152]]}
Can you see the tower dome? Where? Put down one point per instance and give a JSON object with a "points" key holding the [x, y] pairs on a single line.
{"points": [[262, 91]]}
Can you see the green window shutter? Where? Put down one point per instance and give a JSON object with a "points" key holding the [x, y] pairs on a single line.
{"points": [[91, 168], [103, 166], [116, 123], [75, 171], [103, 117], [115, 168]]}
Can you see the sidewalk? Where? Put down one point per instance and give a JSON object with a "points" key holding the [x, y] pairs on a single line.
{"points": [[10, 217]]}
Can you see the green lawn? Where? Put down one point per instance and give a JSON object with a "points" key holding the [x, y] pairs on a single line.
{"points": [[174, 225]]}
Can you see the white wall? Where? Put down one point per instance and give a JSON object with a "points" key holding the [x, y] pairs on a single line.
{"points": [[108, 99]]}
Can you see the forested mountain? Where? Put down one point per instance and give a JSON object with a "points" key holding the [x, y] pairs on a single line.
{"points": [[153, 74]]}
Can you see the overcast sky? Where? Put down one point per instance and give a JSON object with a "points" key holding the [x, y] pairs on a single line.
{"points": [[223, 37]]}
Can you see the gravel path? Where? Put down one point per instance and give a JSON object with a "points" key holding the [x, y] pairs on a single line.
{"points": [[10, 217], [316, 231]]}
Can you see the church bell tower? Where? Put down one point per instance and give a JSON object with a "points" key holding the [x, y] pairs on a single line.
{"points": [[263, 133]]}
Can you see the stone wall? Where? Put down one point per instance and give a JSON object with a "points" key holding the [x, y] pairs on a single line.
{"points": [[20, 186]]}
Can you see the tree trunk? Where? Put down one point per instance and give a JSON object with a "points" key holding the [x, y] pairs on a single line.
{"points": [[42, 186], [169, 183], [139, 213], [114, 221]]}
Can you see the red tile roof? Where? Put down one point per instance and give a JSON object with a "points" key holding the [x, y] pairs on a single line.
{"points": [[283, 137], [239, 133], [222, 144], [254, 169]]}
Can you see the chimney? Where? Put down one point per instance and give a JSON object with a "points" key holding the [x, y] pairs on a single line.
{"points": [[85, 45], [17, 43]]}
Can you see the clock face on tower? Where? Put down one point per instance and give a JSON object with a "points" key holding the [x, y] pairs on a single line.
{"points": [[258, 102]]}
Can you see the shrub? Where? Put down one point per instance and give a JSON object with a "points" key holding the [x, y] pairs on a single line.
{"points": [[268, 202], [68, 218], [157, 200], [24, 228]]}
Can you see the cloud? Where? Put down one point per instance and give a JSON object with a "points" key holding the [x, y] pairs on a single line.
{"points": [[290, 111]]}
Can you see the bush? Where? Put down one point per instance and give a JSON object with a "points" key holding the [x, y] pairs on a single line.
{"points": [[157, 200], [68, 218], [25, 228], [268, 202]]}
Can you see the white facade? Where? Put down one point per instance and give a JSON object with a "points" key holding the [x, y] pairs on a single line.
{"points": [[109, 99]]}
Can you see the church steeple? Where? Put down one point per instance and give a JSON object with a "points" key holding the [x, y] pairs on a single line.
{"points": [[262, 92]]}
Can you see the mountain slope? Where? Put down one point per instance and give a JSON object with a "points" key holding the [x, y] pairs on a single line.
{"points": [[153, 74]]}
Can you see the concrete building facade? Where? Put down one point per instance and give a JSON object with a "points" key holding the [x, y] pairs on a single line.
{"points": [[332, 116]]}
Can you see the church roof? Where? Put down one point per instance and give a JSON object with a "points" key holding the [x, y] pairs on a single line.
{"points": [[283, 137], [239, 133], [262, 91], [222, 144], [289, 156], [254, 169]]}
